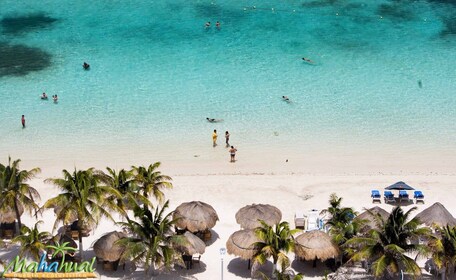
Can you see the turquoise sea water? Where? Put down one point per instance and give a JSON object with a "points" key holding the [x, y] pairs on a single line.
{"points": [[157, 73]]}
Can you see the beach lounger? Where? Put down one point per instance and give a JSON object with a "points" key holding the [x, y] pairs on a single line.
{"points": [[418, 196], [389, 197], [403, 196], [375, 194], [300, 220]]}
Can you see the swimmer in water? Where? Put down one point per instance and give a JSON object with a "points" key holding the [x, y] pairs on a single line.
{"points": [[210, 120], [86, 66], [307, 60], [285, 98], [208, 24], [55, 98], [44, 96], [217, 24]]}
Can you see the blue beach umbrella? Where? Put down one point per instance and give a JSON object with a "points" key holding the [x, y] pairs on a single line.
{"points": [[400, 186]]}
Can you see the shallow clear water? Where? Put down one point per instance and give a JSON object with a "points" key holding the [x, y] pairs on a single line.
{"points": [[157, 73]]}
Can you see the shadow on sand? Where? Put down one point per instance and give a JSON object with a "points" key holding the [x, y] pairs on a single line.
{"points": [[239, 267]]}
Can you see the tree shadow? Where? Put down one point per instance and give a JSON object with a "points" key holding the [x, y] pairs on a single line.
{"points": [[239, 267], [307, 269]]}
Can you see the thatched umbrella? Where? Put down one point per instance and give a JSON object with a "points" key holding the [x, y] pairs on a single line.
{"points": [[436, 215], [316, 244], [193, 245], [240, 244], [106, 247], [368, 216], [248, 216], [8, 216], [195, 216]]}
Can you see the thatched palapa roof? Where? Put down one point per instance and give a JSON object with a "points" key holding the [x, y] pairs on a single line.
{"points": [[368, 216], [315, 245], [193, 245], [8, 216], [240, 243], [436, 215], [195, 216], [106, 247], [248, 216]]}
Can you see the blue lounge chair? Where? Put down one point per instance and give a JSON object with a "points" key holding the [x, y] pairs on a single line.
{"points": [[403, 196], [375, 194], [418, 196], [389, 197]]}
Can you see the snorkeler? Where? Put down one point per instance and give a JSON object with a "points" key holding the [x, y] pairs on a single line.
{"points": [[210, 120], [307, 60]]}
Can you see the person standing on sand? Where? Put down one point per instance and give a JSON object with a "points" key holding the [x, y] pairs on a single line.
{"points": [[227, 138], [23, 121], [233, 154], [214, 138]]}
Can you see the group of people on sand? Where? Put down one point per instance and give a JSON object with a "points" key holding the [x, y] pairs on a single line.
{"points": [[208, 24], [232, 149]]}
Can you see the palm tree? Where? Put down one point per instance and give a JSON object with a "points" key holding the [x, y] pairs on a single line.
{"points": [[61, 249], [15, 191], [151, 181], [387, 247], [338, 214], [84, 198], [32, 241], [274, 242], [123, 182], [151, 243], [443, 249]]}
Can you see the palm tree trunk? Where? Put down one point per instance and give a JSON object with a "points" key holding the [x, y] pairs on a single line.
{"points": [[18, 218]]}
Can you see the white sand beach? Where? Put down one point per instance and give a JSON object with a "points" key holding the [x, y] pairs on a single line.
{"points": [[228, 187]]}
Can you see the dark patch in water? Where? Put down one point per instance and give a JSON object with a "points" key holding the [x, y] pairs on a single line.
{"points": [[449, 26], [395, 11], [215, 12], [208, 11], [25, 23], [19, 60], [320, 3], [453, 2]]}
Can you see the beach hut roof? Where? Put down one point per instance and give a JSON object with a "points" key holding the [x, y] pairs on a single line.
{"points": [[370, 219], [195, 216], [193, 245], [399, 186], [437, 215], [315, 244], [248, 216], [106, 247], [240, 243], [8, 216]]}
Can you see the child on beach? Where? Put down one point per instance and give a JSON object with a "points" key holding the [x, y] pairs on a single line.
{"points": [[227, 138], [214, 138]]}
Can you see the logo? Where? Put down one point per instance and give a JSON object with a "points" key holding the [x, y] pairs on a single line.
{"points": [[55, 268]]}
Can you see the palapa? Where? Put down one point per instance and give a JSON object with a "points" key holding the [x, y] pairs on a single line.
{"points": [[248, 216], [315, 244], [241, 243], [106, 247], [195, 216], [192, 245], [8, 216], [369, 217], [436, 215]]}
